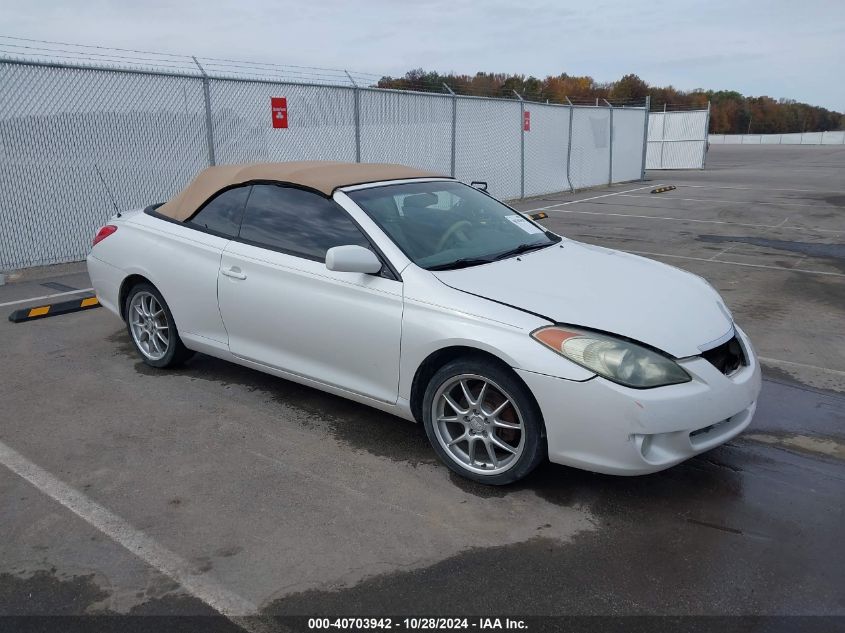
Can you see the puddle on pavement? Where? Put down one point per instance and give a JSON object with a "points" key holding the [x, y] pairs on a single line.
{"points": [[835, 252], [46, 592], [387, 436], [828, 447], [836, 201], [608, 496], [357, 425]]}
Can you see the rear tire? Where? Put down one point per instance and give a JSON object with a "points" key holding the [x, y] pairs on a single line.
{"points": [[483, 422], [152, 329]]}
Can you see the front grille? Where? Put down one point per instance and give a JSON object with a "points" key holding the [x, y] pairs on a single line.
{"points": [[708, 429], [727, 357]]}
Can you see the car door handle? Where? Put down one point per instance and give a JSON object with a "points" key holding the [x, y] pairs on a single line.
{"points": [[234, 272]]}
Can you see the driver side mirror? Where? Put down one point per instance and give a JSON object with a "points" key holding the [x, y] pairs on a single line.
{"points": [[479, 184], [352, 259]]}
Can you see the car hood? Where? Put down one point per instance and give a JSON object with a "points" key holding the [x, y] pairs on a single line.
{"points": [[602, 289]]}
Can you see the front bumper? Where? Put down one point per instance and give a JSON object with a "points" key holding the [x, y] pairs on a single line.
{"points": [[601, 426]]}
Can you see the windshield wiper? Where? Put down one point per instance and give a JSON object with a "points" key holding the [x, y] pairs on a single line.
{"points": [[460, 263], [522, 248], [467, 262]]}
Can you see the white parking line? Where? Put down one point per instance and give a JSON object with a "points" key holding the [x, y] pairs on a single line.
{"points": [[133, 540], [723, 251], [719, 261], [606, 195], [777, 204], [777, 361], [42, 297], [763, 189], [661, 217]]}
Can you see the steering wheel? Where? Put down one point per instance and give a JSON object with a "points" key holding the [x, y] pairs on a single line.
{"points": [[457, 226]]}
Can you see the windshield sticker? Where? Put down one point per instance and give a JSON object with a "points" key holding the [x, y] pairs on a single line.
{"points": [[524, 224]]}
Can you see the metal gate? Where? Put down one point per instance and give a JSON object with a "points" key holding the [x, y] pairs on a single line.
{"points": [[677, 140]]}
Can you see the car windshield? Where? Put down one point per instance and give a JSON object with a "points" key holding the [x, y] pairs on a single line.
{"points": [[442, 225]]}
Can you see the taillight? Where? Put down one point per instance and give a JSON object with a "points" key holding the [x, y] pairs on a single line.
{"points": [[103, 233]]}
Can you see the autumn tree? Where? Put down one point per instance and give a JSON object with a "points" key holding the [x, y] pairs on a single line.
{"points": [[730, 111], [629, 88]]}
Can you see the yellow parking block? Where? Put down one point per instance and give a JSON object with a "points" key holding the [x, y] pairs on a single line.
{"points": [[55, 309]]}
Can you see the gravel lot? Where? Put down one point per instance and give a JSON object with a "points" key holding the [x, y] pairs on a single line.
{"points": [[217, 488]]}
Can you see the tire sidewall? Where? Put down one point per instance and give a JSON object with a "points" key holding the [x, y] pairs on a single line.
{"points": [[170, 357], [534, 450]]}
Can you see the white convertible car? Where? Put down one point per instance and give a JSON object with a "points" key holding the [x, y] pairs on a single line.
{"points": [[427, 298]]}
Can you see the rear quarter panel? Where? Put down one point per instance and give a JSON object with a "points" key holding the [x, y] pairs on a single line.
{"points": [[181, 262]]}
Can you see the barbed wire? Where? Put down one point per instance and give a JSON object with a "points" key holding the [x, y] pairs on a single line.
{"points": [[658, 106], [129, 58], [23, 49], [98, 63], [189, 58]]}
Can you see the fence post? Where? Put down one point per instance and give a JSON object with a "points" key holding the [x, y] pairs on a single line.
{"points": [[209, 131], [569, 145], [706, 136], [663, 136], [521, 144], [357, 106], [645, 134], [610, 162], [454, 123]]}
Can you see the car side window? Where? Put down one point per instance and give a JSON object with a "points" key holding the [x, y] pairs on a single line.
{"points": [[222, 214], [297, 222]]}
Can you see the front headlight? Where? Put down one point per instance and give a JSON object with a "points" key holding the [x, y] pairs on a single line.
{"points": [[615, 359]]}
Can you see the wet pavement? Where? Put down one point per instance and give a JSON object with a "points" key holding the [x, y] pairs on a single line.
{"points": [[303, 503], [744, 529]]}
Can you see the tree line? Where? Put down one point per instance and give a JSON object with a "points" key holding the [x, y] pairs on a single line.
{"points": [[730, 111]]}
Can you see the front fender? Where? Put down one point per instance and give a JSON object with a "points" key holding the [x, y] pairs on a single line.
{"points": [[459, 319]]}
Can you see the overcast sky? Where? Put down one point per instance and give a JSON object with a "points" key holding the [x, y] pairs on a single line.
{"points": [[780, 48]]}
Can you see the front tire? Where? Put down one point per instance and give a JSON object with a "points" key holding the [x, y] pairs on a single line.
{"points": [[483, 422], [152, 329]]}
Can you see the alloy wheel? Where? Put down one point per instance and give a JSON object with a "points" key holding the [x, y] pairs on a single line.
{"points": [[148, 324], [478, 424]]}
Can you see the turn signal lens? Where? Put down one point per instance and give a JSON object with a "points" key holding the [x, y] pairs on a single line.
{"points": [[103, 233], [618, 360]]}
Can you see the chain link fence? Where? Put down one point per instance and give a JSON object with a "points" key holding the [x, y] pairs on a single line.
{"points": [[408, 129], [546, 149], [77, 141], [832, 137]]}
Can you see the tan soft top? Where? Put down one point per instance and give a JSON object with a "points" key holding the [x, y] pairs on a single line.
{"points": [[322, 176]]}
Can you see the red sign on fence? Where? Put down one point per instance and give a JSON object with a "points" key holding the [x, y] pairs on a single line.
{"points": [[279, 108], [526, 121]]}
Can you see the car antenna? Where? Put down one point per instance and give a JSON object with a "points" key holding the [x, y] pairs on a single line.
{"points": [[108, 191]]}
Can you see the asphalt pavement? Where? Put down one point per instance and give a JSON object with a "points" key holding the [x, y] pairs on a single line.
{"points": [[217, 489]]}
